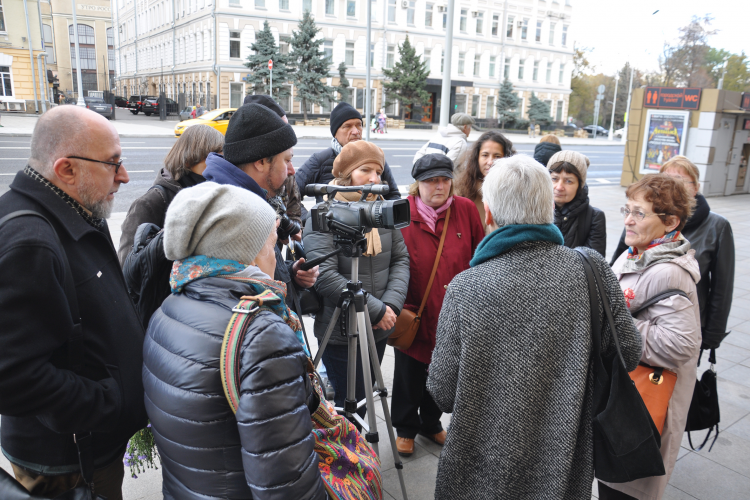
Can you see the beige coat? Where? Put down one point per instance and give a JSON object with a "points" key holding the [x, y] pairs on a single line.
{"points": [[671, 339]]}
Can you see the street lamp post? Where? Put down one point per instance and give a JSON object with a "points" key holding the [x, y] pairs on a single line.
{"points": [[368, 65], [614, 105], [80, 101], [445, 94], [627, 106]]}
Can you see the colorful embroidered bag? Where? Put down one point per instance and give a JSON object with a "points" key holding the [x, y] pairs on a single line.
{"points": [[348, 465]]}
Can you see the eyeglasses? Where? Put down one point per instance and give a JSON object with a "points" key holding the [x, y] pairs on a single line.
{"points": [[637, 214], [116, 165]]}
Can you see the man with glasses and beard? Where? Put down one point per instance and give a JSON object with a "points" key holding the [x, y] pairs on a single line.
{"points": [[67, 384]]}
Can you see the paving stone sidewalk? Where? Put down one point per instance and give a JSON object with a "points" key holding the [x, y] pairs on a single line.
{"points": [[724, 473]]}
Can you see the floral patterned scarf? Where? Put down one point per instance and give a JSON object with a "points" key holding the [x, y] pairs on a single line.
{"points": [[667, 238]]}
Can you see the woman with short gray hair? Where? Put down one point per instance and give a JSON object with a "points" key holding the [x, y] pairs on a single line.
{"points": [[513, 348]]}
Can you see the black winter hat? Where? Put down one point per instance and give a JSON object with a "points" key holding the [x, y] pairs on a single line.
{"points": [[255, 132], [432, 165], [267, 101], [341, 113]]}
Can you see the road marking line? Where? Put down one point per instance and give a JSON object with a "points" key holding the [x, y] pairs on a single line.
{"points": [[140, 171], [604, 181], [395, 166], [13, 158], [403, 156]]}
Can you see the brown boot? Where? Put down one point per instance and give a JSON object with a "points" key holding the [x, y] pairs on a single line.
{"points": [[438, 438], [405, 446]]}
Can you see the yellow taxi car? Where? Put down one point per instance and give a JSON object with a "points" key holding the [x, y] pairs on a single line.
{"points": [[218, 119]]}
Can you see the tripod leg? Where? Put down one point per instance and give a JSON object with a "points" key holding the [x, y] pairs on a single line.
{"points": [[372, 435], [326, 337], [382, 391], [350, 404]]}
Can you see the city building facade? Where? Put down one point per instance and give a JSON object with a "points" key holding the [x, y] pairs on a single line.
{"points": [[198, 47], [19, 72]]}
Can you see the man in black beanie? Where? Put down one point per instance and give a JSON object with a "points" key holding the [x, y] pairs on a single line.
{"points": [[346, 127], [257, 154]]}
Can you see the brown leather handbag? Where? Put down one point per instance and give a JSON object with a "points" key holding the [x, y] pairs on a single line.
{"points": [[655, 386], [407, 323]]}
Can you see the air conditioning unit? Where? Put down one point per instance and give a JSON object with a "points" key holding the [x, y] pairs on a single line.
{"points": [[404, 4], [16, 106], [519, 24], [474, 13], [442, 8]]}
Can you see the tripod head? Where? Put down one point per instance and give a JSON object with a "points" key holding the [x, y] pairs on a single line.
{"points": [[352, 241]]}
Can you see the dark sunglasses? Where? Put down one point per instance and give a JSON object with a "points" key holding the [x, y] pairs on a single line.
{"points": [[116, 165]]}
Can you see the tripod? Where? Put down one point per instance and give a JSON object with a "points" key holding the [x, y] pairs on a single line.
{"points": [[358, 327]]}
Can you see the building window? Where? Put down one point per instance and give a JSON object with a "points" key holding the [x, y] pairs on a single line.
{"points": [[460, 103], [284, 42], [535, 75], [538, 37], [565, 36], [520, 70], [260, 4], [506, 70], [477, 60], [328, 48], [480, 23], [462, 22], [442, 61], [283, 4], [372, 55], [87, 50], [445, 20], [492, 66], [2, 22], [329, 7], [552, 33], [234, 44], [558, 113], [49, 47], [549, 73], [561, 75], [306, 5], [390, 56], [360, 102], [410, 13], [509, 27], [495, 23], [6, 89], [235, 94], [475, 102], [110, 55], [391, 11], [490, 111], [427, 59], [461, 62], [525, 29], [428, 15], [349, 59], [351, 8]]}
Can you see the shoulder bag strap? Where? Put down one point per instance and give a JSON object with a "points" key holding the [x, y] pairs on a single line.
{"points": [[658, 298], [596, 324], [437, 261]]}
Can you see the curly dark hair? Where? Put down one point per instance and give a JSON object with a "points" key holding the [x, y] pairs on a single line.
{"points": [[470, 180], [667, 195]]}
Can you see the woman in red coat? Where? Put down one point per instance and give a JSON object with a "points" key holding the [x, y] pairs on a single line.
{"points": [[430, 199]]}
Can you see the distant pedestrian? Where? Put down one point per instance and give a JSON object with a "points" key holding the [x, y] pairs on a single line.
{"points": [[581, 224], [658, 259], [57, 388], [450, 140], [199, 110], [489, 147], [548, 145], [512, 359], [431, 199], [382, 120]]}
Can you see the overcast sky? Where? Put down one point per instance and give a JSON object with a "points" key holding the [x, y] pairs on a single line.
{"points": [[620, 30]]}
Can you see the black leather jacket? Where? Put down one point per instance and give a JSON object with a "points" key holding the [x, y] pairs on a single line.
{"points": [[266, 450], [710, 235]]}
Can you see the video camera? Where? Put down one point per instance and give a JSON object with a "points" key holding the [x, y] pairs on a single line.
{"points": [[356, 218]]}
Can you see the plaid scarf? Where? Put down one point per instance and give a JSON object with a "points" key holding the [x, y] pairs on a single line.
{"points": [[92, 221], [667, 238], [336, 146]]}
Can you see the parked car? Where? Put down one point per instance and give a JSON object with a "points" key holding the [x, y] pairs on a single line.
{"points": [[97, 105], [218, 119], [121, 102], [187, 113], [620, 132], [599, 130], [151, 106], [135, 104]]}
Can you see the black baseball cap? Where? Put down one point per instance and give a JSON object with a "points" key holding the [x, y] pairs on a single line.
{"points": [[432, 165]]}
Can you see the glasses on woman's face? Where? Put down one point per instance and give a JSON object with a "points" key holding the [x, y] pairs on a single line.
{"points": [[637, 214]]}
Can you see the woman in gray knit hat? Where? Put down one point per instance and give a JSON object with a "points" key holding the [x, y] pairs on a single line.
{"points": [[222, 240], [581, 224]]}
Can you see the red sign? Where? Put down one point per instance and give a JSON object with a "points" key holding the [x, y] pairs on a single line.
{"points": [[270, 64], [745, 102], [671, 97], [746, 124]]}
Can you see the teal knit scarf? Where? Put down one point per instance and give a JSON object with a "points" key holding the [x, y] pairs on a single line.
{"points": [[503, 239]]}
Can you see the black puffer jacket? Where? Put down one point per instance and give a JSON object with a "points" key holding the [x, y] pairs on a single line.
{"points": [[581, 224], [207, 451], [318, 169], [544, 151]]}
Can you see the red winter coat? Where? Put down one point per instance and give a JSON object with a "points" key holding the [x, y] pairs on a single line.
{"points": [[465, 231]]}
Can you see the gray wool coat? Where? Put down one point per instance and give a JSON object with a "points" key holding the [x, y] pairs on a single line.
{"points": [[512, 363]]}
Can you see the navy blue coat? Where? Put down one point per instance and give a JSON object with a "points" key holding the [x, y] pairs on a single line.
{"points": [[266, 451]]}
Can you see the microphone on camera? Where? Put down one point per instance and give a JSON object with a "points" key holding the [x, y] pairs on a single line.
{"points": [[322, 189]]}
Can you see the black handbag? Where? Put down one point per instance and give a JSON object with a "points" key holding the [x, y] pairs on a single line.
{"points": [[10, 489], [704, 408], [626, 441]]}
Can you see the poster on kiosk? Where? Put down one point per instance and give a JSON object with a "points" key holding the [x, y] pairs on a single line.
{"points": [[664, 137]]}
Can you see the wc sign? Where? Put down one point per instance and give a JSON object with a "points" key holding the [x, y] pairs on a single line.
{"points": [[672, 98]]}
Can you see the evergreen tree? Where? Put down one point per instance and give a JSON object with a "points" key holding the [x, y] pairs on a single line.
{"points": [[264, 49], [507, 102], [311, 65], [408, 78], [539, 111], [343, 88]]}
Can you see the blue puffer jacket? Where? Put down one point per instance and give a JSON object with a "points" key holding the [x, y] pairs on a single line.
{"points": [[266, 450]]}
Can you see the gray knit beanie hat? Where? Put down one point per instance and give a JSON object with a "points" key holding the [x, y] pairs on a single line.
{"points": [[217, 220], [579, 161]]}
